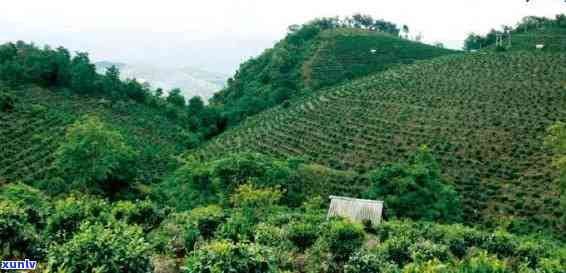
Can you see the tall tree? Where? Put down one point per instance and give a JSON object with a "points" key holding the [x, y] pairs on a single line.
{"points": [[83, 74]]}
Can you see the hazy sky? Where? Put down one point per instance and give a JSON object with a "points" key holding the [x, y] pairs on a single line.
{"points": [[217, 35]]}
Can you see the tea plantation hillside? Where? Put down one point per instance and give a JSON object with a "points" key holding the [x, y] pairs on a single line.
{"points": [[35, 128], [553, 39], [312, 58], [351, 53], [483, 115]]}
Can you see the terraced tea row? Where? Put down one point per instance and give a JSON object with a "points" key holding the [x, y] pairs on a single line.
{"points": [[483, 115]]}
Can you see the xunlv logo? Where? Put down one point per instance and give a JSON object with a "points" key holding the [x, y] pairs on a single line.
{"points": [[14, 265]]}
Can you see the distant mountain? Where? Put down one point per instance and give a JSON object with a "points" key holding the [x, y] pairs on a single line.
{"points": [[192, 81]]}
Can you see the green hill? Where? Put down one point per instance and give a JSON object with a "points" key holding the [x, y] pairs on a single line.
{"points": [[483, 115], [33, 130], [311, 58]]}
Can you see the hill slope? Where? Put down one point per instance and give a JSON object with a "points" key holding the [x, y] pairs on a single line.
{"points": [[311, 58], [34, 129], [483, 115]]}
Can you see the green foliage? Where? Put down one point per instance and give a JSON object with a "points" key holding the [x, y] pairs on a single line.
{"points": [[416, 190], [207, 219], [224, 256], [199, 183], [238, 227], [30, 200], [272, 236], [483, 263], [142, 213], [556, 141], [431, 266], [416, 243], [303, 234], [70, 213], [18, 237], [424, 251], [343, 238], [83, 73], [251, 205], [175, 98], [6, 102], [248, 197], [177, 235], [363, 262], [95, 156], [114, 248]]}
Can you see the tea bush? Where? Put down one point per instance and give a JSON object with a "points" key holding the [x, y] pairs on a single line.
{"points": [[176, 235], [70, 213], [18, 237], [207, 219], [424, 251], [114, 248], [224, 256], [143, 213], [303, 235], [363, 262], [343, 238]]}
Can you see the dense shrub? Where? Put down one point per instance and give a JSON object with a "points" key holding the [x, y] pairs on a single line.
{"points": [[416, 190], [423, 251], [176, 235], [483, 263], [18, 236], [207, 219], [143, 213], [224, 256], [189, 187], [29, 199], [363, 262], [431, 266], [396, 250], [114, 248], [71, 212], [343, 238], [6, 102], [238, 227], [271, 236], [501, 243], [302, 234]]}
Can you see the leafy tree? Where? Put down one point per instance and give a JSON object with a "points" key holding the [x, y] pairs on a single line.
{"points": [[111, 83], [12, 73], [196, 105], [416, 190], [95, 156], [83, 74], [473, 42], [176, 98]]}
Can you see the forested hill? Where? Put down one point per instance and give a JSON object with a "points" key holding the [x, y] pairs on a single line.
{"points": [[318, 54], [45, 91]]}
